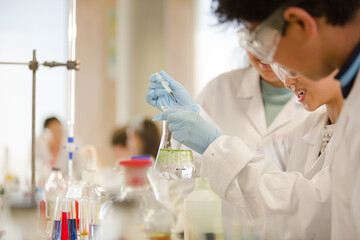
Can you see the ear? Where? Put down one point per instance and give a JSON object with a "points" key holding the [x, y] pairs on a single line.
{"points": [[302, 19]]}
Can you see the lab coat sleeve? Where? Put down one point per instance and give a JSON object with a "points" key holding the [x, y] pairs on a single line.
{"points": [[277, 147], [296, 207]]}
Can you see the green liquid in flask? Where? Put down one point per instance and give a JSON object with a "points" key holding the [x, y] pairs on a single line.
{"points": [[175, 164], [160, 236]]}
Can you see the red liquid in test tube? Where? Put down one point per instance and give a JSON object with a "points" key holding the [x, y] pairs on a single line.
{"points": [[64, 226]]}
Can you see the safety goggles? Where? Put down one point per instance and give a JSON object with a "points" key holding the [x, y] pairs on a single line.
{"points": [[263, 40], [282, 73]]}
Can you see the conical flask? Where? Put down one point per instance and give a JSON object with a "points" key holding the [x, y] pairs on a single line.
{"points": [[173, 163]]}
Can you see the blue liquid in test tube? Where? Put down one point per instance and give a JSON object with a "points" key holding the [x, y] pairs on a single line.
{"points": [[56, 235], [72, 229]]}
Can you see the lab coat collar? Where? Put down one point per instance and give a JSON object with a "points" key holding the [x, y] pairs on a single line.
{"points": [[249, 94], [314, 132], [251, 86], [286, 114], [313, 138]]}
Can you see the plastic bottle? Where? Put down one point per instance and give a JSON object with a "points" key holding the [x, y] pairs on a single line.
{"points": [[202, 215]]}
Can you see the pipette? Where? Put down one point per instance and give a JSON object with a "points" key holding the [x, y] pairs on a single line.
{"points": [[166, 86]]}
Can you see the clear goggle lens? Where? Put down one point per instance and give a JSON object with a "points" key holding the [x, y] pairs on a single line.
{"points": [[282, 73], [262, 42]]}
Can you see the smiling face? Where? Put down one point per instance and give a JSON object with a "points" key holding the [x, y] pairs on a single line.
{"points": [[265, 70], [312, 94]]}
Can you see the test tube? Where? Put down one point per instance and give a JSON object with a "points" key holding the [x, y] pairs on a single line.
{"points": [[43, 215], [72, 220], [94, 218], [65, 215], [84, 219], [56, 234]]}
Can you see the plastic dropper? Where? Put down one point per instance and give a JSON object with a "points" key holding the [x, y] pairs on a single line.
{"points": [[166, 86]]}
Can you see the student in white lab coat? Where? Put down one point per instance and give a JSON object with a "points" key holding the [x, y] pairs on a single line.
{"points": [[51, 153], [256, 106], [312, 38], [293, 203]]}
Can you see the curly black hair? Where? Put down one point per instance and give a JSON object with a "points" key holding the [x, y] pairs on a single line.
{"points": [[337, 12]]}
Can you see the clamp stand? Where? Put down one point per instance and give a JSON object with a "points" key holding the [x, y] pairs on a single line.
{"points": [[34, 66]]}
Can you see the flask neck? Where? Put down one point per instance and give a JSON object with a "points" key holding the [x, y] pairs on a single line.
{"points": [[202, 184], [56, 174], [87, 176]]}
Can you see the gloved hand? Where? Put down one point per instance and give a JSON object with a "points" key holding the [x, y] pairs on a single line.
{"points": [[190, 129], [157, 96]]}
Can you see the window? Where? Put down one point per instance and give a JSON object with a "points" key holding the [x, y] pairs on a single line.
{"points": [[24, 26], [217, 49]]}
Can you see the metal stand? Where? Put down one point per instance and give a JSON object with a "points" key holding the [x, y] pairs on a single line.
{"points": [[34, 66]]}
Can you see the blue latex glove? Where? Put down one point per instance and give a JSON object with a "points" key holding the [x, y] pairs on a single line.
{"points": [[190, 129], [158, 97]]}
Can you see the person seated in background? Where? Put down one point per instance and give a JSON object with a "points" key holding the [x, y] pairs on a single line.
{"points": [[48, 149], [108, 176], [51, 151], [143, 137], [119, 148], [140, 137]]}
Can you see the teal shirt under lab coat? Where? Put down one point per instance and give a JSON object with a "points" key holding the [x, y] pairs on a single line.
{"points": [[274, 99]]}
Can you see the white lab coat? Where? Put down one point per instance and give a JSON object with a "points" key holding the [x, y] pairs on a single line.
{"points": [[294, 205], [44, 156], [233, 102], [345, 169]]}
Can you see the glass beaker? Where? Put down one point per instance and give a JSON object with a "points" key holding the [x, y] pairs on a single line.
{"points": [[173, 163]]}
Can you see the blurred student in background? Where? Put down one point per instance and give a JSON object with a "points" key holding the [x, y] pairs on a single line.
{"points": [[118, 144], [143, 137]]}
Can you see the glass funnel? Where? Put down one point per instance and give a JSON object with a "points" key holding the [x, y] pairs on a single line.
{"points": [[173, 163]]}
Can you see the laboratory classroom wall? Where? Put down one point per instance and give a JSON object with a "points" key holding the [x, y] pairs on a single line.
{"points": [[149, 35]]}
